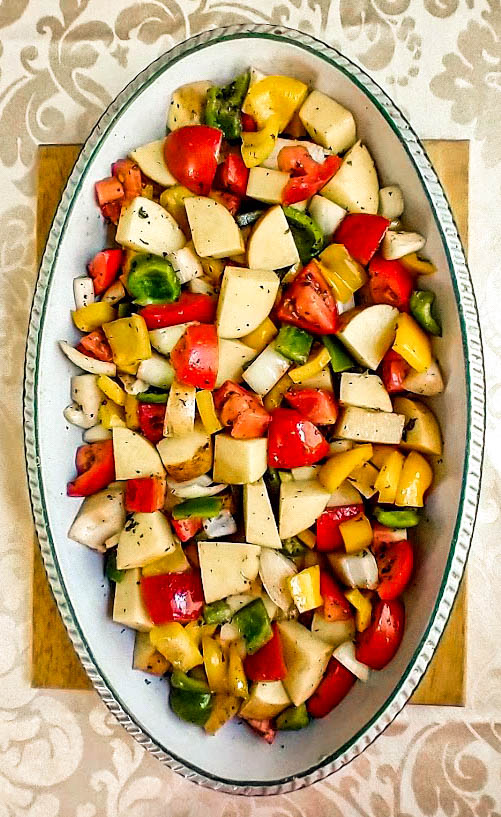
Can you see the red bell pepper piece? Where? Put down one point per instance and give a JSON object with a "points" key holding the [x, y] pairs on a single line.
{"points": [[331, 690], [249, 124], [317, 405], [390, 283], [186, 528], [104, 268], [228, 200], [394, 370], [395, 561], [267, 664], [151, 418], [263, 728], [308, 176], [336, 605], [232, 175], [189, 307], [129, 175], [191, 154], [145, 495], [308, 302], [195, 356], [95, 468], [294, 441], [377, 645], [95, 345], [110, 196], [173, 596], [361, 234], [241, 411], [328, 533]]}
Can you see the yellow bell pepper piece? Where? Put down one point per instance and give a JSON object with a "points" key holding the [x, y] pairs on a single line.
{"points": [[257, 145], [91, 317], [308, 538], [215, 665], [111, 389], [197, 630], [147, 191], [237, 680], [224, 707], [173, 562], [356, 533], [172, 200], [412, 343], [275, 396], [312, 367], [388, 477], [260, 337], [129, 341], [380, 453], [341, 271], [274, 95], [110, 415], [339, 466], [305, 589], [363, 607], [131, 412], [415, 478], [418, 265], [176, 646], [213, 268], [208, 416]]}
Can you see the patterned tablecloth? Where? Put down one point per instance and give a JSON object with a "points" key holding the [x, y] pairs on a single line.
{"points": [[61, 63]]}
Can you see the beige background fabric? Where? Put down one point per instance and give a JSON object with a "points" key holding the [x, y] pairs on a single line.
{"points": [[61, 63]]}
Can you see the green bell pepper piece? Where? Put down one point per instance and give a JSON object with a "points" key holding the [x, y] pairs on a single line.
{"points": [[152, 396], [180, 680], [245, 219], [340, 359], [424, 310], [294, 343], [272, 480], [307, 235], [218, 612], [203, 507], [152, 280], [295, 717], [254, 625], [194, 707], [293, 546], [407, 518], [111, 570], [222, 108]]}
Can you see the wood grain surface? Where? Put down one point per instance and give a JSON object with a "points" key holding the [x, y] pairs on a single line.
{"points": [[54, 661]]}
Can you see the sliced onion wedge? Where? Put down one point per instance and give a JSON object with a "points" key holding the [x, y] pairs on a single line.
{"points": [[345, 654], [221, 525], [88, 364], [355, 569], [274, 571]]}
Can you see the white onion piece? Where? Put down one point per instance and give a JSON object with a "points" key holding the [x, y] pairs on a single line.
{"points": [[235, 603], [203, 480], [195, 491], [396, 244], [229, 632], [266, 370], [164, 339], [97, 434], [346, 494], [100, 516], [271, 607], [73, 414], [88, 364], [132, 385], [88, 396], [156, 371], [201, 286], [345, 306], [345, 654], [355, 569], [114, 293], [221, 525], [83, 291], [274, 571], [186, 264], [112, 542], [333, 632]]}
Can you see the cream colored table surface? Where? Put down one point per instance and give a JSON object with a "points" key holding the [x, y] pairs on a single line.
{"points": [[61, 63]]}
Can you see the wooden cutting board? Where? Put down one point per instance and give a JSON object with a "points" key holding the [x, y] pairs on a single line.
{"points": [[54, 661]]}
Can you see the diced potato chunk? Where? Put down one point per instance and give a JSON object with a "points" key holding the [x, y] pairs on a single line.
{"points": [[128, 606], [145, 226], [246, 298], [328, 123], [239, 461], [364, 425]]}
